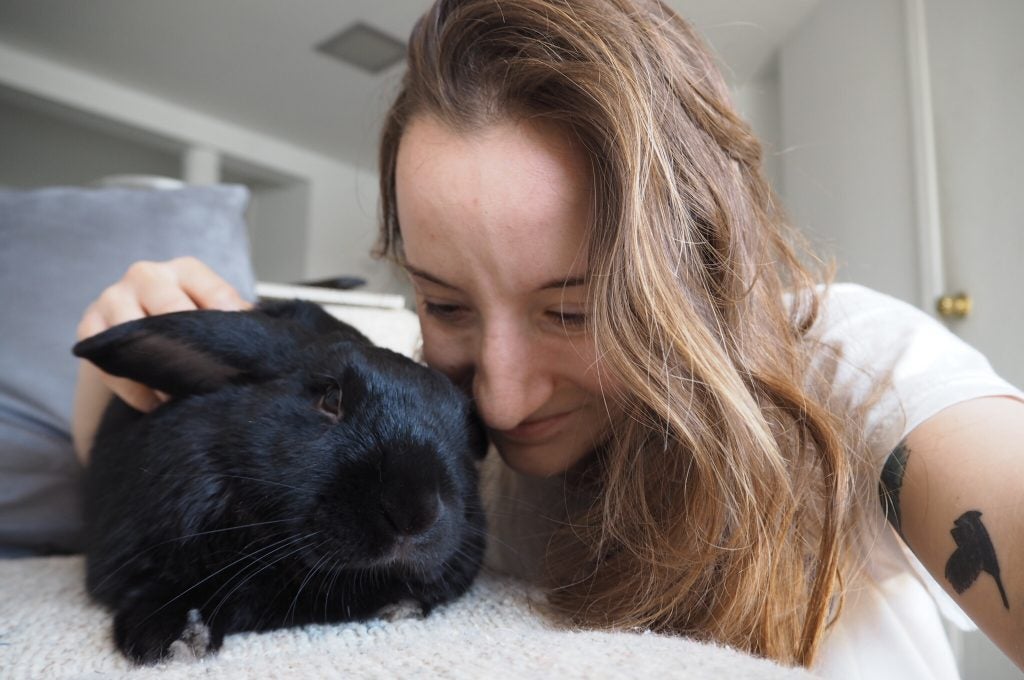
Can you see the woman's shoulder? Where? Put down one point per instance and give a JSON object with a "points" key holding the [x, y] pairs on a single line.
{"points": [[869, 339], [855, 304], [869, 326]]}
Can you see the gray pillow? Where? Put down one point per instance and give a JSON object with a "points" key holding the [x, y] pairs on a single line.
{"points": [[59, 248]]}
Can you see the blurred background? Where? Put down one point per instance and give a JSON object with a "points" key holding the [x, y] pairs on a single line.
{"points": [[892, 131]]}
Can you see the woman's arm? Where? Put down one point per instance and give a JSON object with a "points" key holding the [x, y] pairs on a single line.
{"points": [[146, 289], [956, 495]]}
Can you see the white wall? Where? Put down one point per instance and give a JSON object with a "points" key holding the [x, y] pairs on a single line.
{"points": [[977, 58], [340, 219], [41, 149], [759, 104], [277, 218], [346, 230], [847, 174]]}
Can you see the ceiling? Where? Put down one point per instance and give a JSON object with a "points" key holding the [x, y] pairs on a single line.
{"points": [[252, 61]]}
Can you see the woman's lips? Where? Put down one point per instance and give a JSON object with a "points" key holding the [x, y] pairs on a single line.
{"points": [[537, 430]]}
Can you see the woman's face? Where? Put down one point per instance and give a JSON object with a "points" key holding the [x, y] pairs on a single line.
{"points": [[494, 226]]}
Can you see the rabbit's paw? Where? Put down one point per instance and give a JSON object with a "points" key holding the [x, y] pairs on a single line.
{"points": [[404, 609], [194, 642], [148, 635]]}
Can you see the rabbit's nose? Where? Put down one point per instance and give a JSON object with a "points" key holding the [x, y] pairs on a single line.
{"points": [[411, 514]]}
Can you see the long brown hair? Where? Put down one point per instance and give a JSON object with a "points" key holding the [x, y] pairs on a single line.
{"points": [[722, 504]]}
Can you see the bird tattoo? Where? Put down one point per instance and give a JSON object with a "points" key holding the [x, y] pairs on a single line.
{"points": [[973, 555]]}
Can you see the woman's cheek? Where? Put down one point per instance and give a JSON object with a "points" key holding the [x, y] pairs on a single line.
{"points": [[445, 353], [592, 375]]}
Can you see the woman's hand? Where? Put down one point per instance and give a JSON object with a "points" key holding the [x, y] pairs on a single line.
{"points": [[146, 289]]}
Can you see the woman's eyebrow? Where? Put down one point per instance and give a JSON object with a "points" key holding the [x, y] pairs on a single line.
{"points": [[570, 282], [419, 273]]}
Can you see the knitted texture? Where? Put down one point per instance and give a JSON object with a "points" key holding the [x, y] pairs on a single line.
{"points": [[50, 629]]}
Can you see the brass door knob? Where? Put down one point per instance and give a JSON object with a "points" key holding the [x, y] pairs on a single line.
{"points": [[954, 306]]}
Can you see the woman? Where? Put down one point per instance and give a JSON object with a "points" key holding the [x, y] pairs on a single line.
{"points": [[598, 260]]}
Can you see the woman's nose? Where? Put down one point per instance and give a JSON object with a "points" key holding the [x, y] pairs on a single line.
{"points": [[509, 382]]}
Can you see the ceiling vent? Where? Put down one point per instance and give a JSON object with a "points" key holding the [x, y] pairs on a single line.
{"points": [[364, 47]]}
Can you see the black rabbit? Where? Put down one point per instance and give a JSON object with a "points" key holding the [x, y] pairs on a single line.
{"points": [[299, 474]]}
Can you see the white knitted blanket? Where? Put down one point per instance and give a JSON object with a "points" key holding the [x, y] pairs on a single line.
{"points": [[50, 629]]}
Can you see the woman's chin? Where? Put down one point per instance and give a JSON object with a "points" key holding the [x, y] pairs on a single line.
{"points": [[546, 460]]}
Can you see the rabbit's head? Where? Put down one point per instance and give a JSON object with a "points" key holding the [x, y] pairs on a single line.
{"points": [[288, 417]]}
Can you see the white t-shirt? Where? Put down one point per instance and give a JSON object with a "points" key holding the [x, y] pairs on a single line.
{"points": [[890, 625]]}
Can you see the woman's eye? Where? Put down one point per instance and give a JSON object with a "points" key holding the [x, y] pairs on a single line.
{"points": [[572, 320], [444, 312], [330, 402]]}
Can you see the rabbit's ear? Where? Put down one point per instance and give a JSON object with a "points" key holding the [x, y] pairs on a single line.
{"points": [[192, 352], [313, 317]]}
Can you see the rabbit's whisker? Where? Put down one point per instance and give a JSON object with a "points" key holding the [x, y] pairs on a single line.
{"points": [[254, 557], [309, 576], [228, 475], [472, 530], [263, 481], [185, 537], [190, 588], [328, 581], [251, 575]]}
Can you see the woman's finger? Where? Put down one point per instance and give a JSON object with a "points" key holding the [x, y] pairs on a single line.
{"points": [[118, 304], [207, 289], [157, 289]]}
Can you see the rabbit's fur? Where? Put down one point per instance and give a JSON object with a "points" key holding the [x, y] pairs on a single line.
{"points": [[299, 474]]}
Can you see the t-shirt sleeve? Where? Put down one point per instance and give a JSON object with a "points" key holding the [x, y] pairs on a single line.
{"points": [[928, 368]]}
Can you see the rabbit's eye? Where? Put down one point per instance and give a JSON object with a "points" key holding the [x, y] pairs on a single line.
{"points": [[330, 402]]}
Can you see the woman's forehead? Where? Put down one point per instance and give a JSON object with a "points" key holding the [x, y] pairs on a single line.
{"points": [[511, 200], [488, 166]]}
